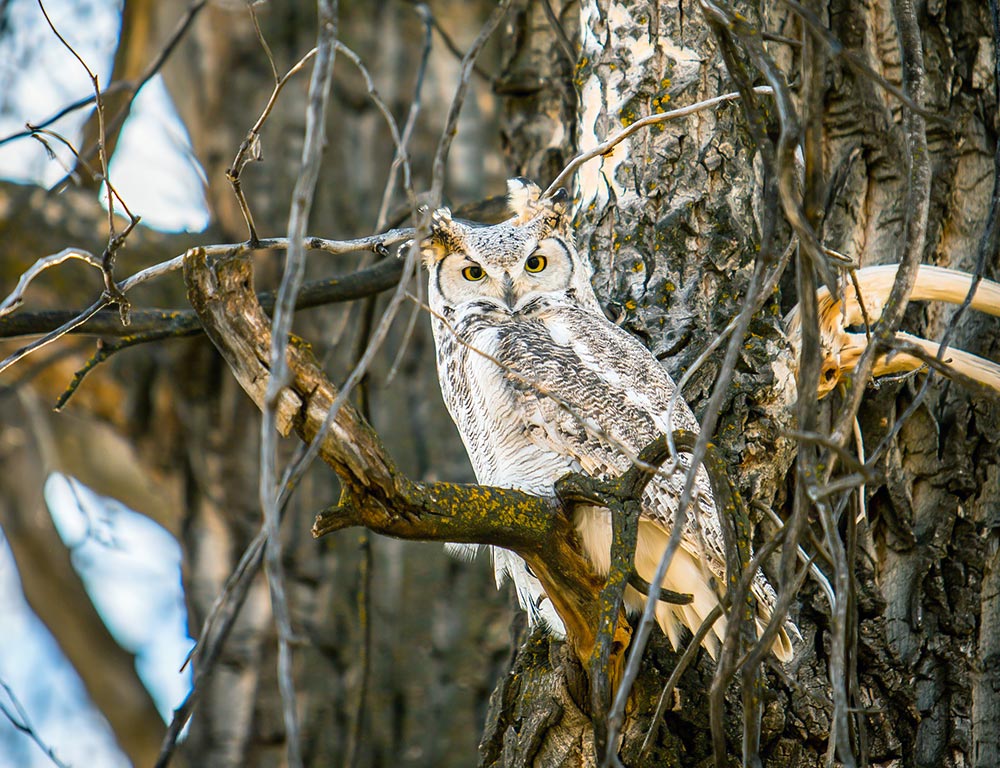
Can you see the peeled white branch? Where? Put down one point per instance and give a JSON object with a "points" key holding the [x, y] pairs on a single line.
{"points": [[842, 348]]}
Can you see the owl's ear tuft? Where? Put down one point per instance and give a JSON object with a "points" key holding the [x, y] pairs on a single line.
{"points": [[441, 220], [444, 237], [522, 197]]}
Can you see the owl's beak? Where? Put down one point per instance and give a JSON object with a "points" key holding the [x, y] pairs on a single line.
{"points": [[508, 291]]}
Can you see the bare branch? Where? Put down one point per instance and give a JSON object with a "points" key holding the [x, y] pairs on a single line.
{"points": [[564, 42], [726, 24], [20, 720], [916, 209], [294, 472], [115, 241], [132, 86], [155, 324], [854, 61], [250, 147], [263, 42], [183, 25], [450, 45], [16, 297], [67, 327], [661, 117], [291, 281], [215, 630], [451, 122], [698, 454], [158, 324], [401, 156], [411, 117], [675, 675]]}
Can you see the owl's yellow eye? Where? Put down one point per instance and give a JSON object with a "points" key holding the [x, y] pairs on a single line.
{"points": [[535, 263], [473, 273]]}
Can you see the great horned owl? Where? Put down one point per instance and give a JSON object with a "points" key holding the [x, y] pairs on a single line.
{"points": [[540, 383]]}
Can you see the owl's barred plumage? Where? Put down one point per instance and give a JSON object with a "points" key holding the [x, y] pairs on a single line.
{"points": [[541, 384]]}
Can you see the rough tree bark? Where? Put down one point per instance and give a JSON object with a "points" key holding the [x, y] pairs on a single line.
{"points": [[671, 221]]}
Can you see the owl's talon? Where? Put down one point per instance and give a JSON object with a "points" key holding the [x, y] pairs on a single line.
{"points": [[575, 488]]}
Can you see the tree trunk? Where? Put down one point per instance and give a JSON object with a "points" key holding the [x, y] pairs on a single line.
{"points": [[671, 220]]}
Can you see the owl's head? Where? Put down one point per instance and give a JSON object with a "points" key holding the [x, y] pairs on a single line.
{"points": [[507, 267]]}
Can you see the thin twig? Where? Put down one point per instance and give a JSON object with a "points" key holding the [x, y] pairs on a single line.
{"points": [[989, 247], [16, 297], [840, 728], [454, 49], [263, 42], [451, 122], [915, 209], [675, 676], [250, 146], [39, 136], [79, 319], [727, 23], [817, 574], [20, 720], [411, 117], [302, 198], [854, 61], [133, 86], [818, 438], [363, 360], [183, 25], [564, 44], [661, 117], [115, 240], [53, 335], [401, 155], [707, 429], [218, 624], [32, 129], [298, 467]]}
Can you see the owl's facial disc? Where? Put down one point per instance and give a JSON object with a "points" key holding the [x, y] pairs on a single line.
{"points": [[510, 281]]}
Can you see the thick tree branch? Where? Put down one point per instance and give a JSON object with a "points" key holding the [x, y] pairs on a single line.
{"points": [[157, 324], [376, 494]]}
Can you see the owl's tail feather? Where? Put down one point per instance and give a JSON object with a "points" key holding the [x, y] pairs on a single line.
{"points": [[783, 647], [686, 575]]}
